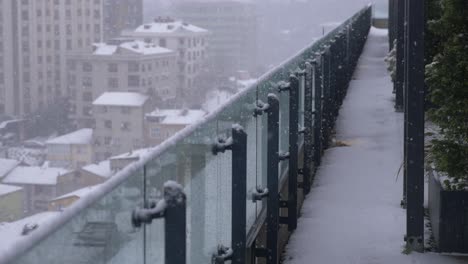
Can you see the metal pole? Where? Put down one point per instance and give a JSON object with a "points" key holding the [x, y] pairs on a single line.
{"points": [[317, 82], [239, 195], [400, 49], [293, 151], [272, 172], [414, 159], [308, 130], [175, 225]]}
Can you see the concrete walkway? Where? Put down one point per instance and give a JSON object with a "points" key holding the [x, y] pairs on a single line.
{"points": [[353, 214]]}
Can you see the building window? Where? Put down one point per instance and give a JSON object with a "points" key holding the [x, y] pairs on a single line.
{"points": [[113, 83], [155, 132], [108, 123], [126, 110], [125, 126], [87, 96], [87, 67], [162, 42], [133, 80], [112, 67], [133, 67]]}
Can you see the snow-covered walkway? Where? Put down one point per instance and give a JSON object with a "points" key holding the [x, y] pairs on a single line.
{"points": [[353, 214]]}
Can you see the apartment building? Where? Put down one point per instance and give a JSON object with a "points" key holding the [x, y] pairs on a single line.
{"points": [[72, 150], [39, 185], [119, 123], [164, 123], [35, 35], [233, 24], [120, 15], [188, 41], [119, 66]]}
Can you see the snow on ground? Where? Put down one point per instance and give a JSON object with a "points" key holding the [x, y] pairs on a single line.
{"points": [[353, 214]]}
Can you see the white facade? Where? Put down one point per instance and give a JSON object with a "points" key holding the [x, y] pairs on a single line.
{"points": [[119, 123], [233, 24], [129, 66], [34, 38], [188, 41]]}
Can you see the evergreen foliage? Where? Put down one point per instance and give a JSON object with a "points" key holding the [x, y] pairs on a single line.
{"points": [[447, 77]]}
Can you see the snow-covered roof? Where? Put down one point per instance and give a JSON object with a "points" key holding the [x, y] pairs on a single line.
{"points": [[6, 189], [134, 154], [121, 99], [13, 230], [7, 165], [137, 46], [177, 116], [167, 27], [78, 193], [101, 169], [82, 136], [215, 99], [34, 175]]}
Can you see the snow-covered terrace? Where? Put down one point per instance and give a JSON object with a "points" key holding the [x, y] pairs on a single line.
{"points": [[352, 214]]}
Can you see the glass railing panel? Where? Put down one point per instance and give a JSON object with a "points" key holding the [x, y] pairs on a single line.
{"points": [[242, 112], [191, 163], [102, 233]]}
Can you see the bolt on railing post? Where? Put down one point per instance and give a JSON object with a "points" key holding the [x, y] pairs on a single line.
{"points": [[317, 88], [239, 194], [173, 209], [293, 151], [273, 185]]}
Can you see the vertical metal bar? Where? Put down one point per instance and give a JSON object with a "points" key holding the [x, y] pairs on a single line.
{"points": [[239, 195], [308, 137], [273, 178], [293, 151], [175, 226], [415, 124], [317, 82], [400, 64]]}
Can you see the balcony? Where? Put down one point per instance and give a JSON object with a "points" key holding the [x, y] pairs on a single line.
{"points": [[219, 183]]}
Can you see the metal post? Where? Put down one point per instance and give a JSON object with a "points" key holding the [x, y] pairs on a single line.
{"points": [[414, 141], [400, 64], [317, 82], [239, 195], [173, 209], [272, 172], [293, 151], [175, 225], [308, 137]]}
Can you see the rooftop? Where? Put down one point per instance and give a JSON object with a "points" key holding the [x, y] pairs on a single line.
{"points": [[167, 26], [177, 116], [121, 99], [6, 189], [82, 136], [101, 169], [138, 47], [7, 165], [34, 175], [78, 193]]}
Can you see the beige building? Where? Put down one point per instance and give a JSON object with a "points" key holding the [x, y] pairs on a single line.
{"points": [[233, 24], [119, 122], [164, 123], [188, 41], [35, 36], [39, 186], [64, 201], [11, 203], [72, 150], [124, 66]]}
